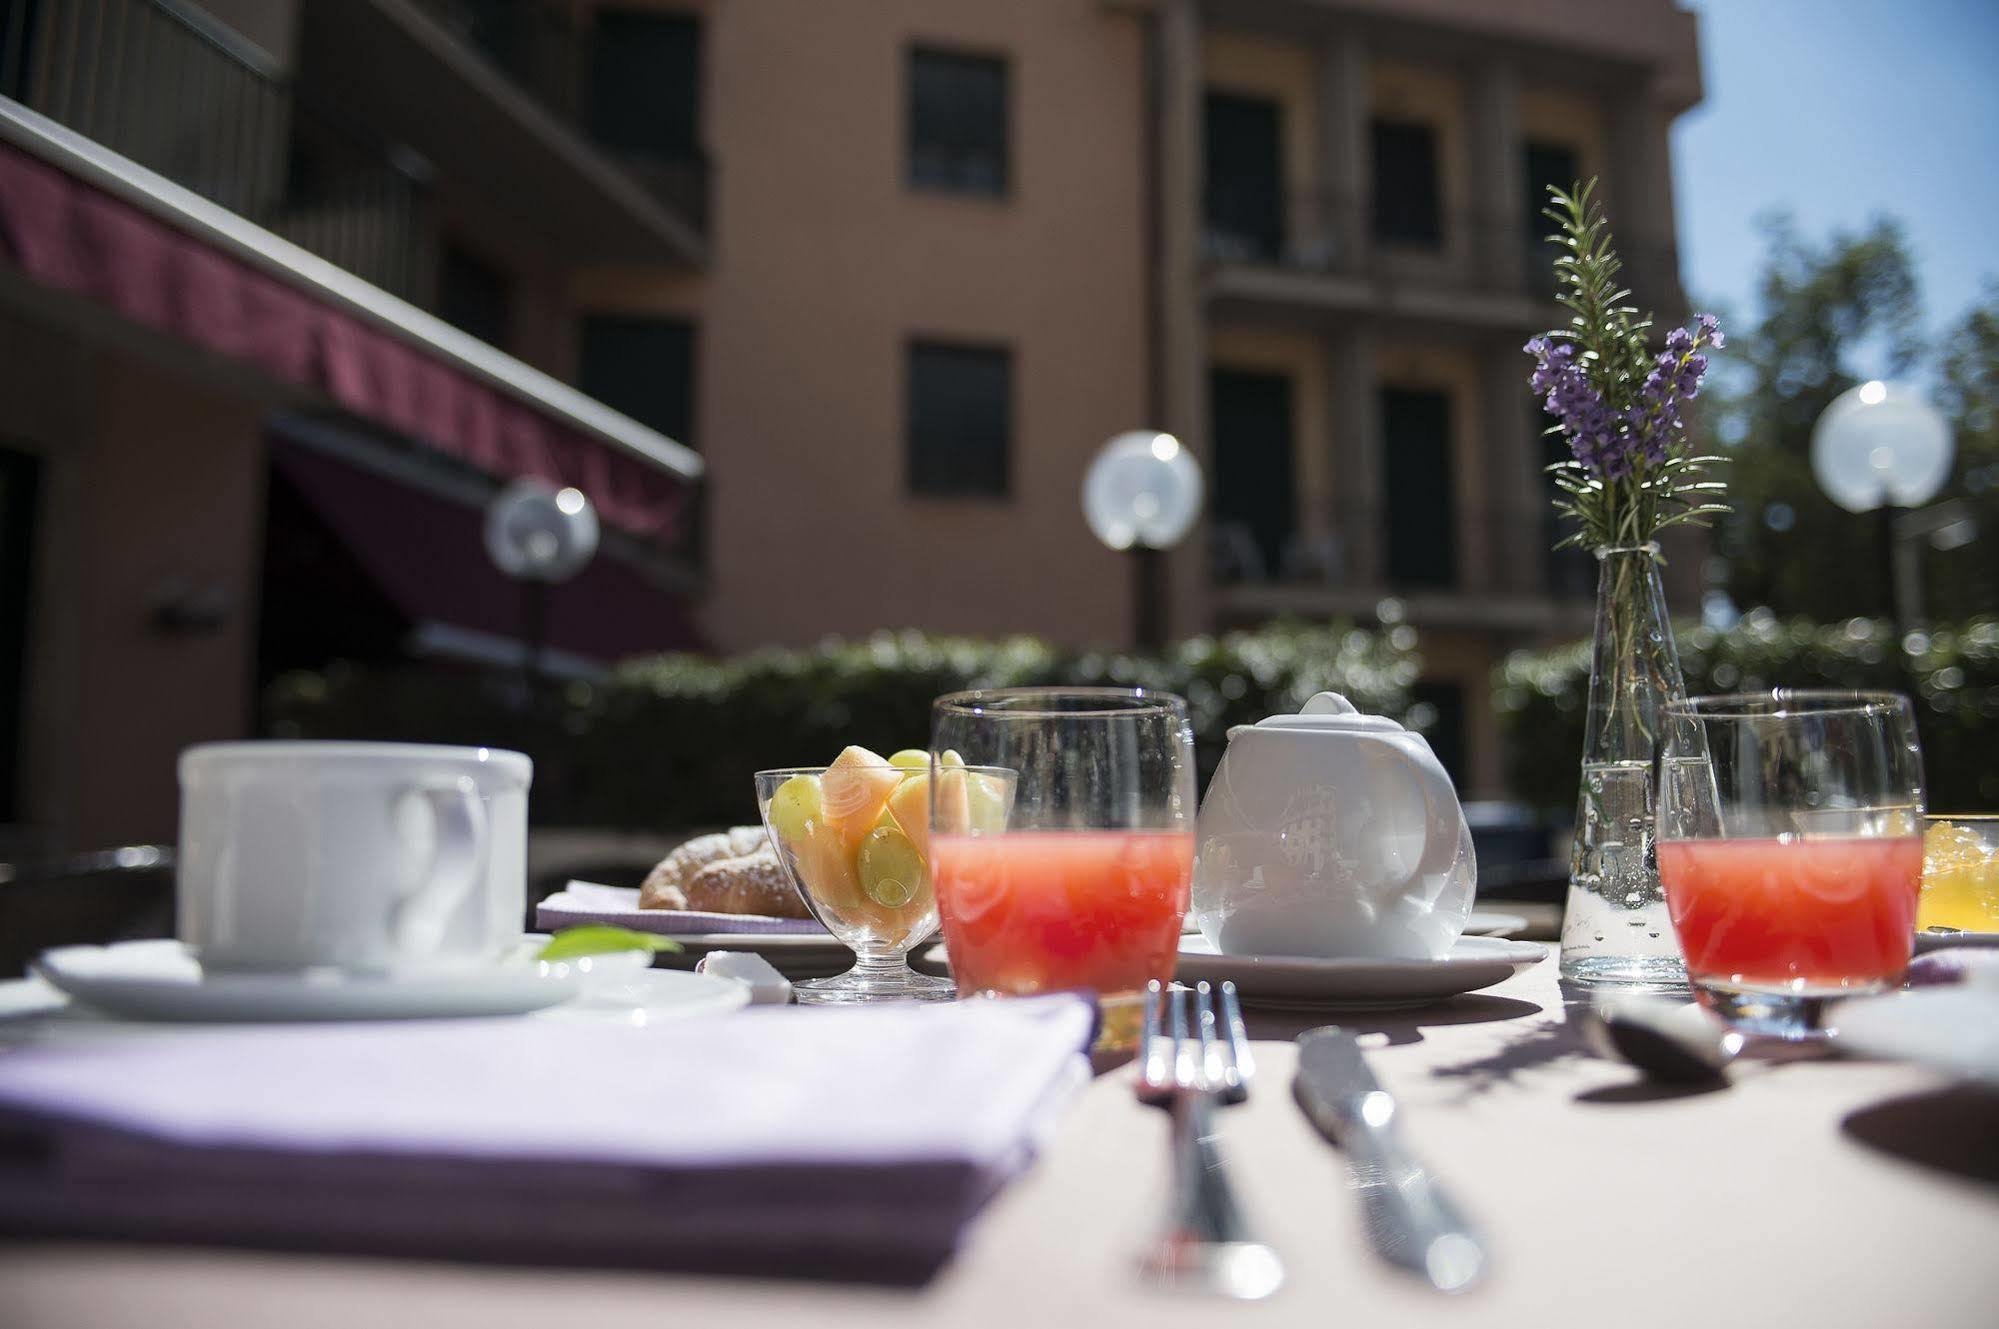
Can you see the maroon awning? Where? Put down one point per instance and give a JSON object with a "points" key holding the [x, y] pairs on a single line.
{"points": [[427, 555], [74, 237]]}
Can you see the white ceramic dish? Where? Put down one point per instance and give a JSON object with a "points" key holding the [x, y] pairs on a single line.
{"points": [[1284, 980], [162, 981], [1297, 981], [1950, 1029]]}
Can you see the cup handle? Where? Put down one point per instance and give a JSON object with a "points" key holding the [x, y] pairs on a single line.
{"points": [[456, 864], [1445, 814]]}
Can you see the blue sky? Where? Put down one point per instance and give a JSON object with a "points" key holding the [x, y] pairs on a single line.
{"points": [[1841, 110]]}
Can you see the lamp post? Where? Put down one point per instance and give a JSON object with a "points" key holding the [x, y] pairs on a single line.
{"points": [[1142, 494], [1879, 448], [539, 535]]}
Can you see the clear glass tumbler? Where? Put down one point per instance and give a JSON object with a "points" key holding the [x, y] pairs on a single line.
{"points": [[1085, 885], [1790, 846]]}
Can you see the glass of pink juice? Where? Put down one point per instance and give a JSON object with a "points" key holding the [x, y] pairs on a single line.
{"points": [[1790, 848], [1084, 884]]}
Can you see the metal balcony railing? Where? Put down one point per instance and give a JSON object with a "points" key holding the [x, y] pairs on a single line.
{"points": [[544, 48], [1517, 549], [1317, 232], [185, 97]]}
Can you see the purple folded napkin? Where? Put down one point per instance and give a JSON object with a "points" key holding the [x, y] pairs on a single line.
{"points": [[851, 1144], [582, 902]]}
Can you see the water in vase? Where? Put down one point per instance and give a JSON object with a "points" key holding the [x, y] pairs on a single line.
{"points": [[1615, 928]]}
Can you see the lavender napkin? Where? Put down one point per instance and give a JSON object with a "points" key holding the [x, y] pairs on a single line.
{"points": [[582, 902], [845, 1144]]}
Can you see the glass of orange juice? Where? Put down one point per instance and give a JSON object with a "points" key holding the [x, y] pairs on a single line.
{"points": [[1085, 884], [1790, 846], [1960, 873]]}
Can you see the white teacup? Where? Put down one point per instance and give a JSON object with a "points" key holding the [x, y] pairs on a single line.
{"points": [[373, 858]]}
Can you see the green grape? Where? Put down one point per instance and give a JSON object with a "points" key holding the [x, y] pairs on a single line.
{"points": [[794, 808], [990, 800], [911, 759], [950, 758], [891, 870]]}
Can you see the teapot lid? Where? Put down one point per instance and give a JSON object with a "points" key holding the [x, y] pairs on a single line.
{"points": [[1329, 712]]}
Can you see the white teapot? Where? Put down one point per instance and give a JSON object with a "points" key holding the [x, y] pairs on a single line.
{"points": [[1330, 833]]}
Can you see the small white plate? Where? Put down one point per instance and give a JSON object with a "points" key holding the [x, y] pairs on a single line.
{"points": [[1299, 981], [1290, 980], [1950, 1029], [162, 981]]}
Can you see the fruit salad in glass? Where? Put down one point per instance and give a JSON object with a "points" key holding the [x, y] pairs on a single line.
{"points": [[855, 838]]}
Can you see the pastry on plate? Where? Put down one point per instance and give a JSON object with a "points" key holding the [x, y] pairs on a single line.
{"points": [[730, 872]]}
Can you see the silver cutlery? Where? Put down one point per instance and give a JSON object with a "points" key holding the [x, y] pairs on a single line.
{"points": [[1673, 1042], [1410, 1220], [1206, 1246]]}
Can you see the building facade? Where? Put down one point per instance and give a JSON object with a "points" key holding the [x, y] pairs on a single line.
{"points": [[959, 245], [874, 279]]}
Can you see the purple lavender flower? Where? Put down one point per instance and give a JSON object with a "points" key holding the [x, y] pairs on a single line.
{"points": [[1614, 444]]}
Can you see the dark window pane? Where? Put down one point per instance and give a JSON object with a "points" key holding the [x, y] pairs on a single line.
{"points": [[1570, 572], [20, 487], [960, 420], [957, 122], [1445, 704], [1245, 178], [645, 83], [1251, 427], [1422, 501], [1407, 206], [1546, 164], [475, 296], [643, 367]]}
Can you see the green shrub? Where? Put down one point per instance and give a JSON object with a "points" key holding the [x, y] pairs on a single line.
{"points": [[671, 741], [1540, 697]]}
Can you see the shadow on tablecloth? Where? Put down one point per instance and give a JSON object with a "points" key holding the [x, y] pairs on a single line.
{"points": [[1947, 1130]]}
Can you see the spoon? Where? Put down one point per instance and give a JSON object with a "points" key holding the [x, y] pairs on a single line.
{"points": [[1674, 1042]]}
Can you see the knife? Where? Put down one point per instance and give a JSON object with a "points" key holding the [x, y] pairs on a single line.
{"points": [[1410, 1221]]}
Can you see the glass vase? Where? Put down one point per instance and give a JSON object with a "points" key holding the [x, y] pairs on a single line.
{"points": [[1615, 928]]}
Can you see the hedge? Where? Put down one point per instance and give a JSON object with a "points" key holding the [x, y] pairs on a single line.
{"points": [[671, 741], [1955, 672]]}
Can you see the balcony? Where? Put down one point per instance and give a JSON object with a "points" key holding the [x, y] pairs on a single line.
{"points": [[1497, 571], [184, 97], [497, 89], [1303, 251]]}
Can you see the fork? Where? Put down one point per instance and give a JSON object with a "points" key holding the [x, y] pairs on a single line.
{"points": [[1206, 1245]]}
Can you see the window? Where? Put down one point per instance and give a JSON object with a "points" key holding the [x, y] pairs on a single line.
{"points": [[645, 84], [1250, 423], [475, 296], [1422, 503], [1437, 711], [1244, 189], [960, 420], [1545, 164], [1407, 207], [643, 367], [957, 122]]}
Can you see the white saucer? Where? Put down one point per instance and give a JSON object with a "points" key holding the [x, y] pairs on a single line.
{"points": [[162, 981], [1950, 1029], [1288, 980]]}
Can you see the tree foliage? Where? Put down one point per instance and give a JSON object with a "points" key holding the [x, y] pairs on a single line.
{"points": [[1833, 313]]}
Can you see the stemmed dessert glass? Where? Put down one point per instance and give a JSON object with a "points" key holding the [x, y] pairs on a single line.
{"points": [[1084, 886], [855, 841], [1790, 847]]}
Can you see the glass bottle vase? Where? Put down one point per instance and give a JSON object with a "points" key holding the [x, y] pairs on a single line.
{"points": [[1615, 928]]}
